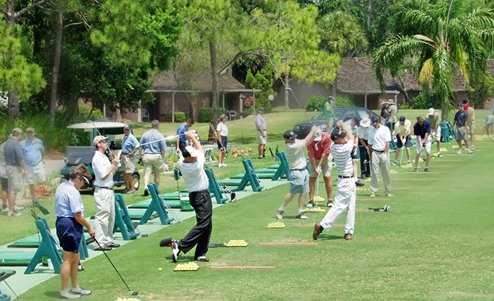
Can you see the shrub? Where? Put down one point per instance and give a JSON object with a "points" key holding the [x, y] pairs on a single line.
{"points": [[179, 116], [205, 114], [315, 103], [342, 101]]}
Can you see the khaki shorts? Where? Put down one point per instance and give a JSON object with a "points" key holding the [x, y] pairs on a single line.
{"points": [[15, 179], [427, 148], [461, 133], [129, 164], [326, 167], [262, 138], [36, 174], [436, 135]]}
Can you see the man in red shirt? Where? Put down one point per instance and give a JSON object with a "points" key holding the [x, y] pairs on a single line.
{"points": [[320, 162]]}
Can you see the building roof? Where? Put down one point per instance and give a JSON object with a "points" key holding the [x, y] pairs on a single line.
{"points": [[170, 81], [357, 76]]}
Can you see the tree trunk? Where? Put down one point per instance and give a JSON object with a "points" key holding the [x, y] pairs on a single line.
{"points": [[56, 66], [369, 15], [445, 109], [13, 101], [287, 90], [214, 74]]}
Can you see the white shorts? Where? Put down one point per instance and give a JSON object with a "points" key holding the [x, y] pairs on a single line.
{"points": [[299, 181], [36, 174], [326, 167], [436, 136], [427, 149]]}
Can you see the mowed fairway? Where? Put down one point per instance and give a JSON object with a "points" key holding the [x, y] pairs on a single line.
{"points": [[436, 244]]}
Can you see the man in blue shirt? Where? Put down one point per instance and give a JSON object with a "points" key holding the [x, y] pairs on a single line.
{"points": [[461, 135], [15, 169], [153, 147], [33, 151], [422, 130], [182, 129], [129, 144]]}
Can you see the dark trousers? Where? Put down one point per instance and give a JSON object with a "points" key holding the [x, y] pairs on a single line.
{"points": [[199, 235], [364, 162]]}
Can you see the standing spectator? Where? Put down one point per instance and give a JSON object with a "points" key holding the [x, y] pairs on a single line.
{"points": [[363, 146], [422, 130], [388, 113], [192, 168], [182, 129], [33, 151], [460, 129], [222, 139], [379, 138], [470, 124], [129, 144], [70, 222], [153, 146], [262, 134], [319, 152], [104, 195], [433, 119], [16, 169], [402, 131], [489, 124], [4, 181]]}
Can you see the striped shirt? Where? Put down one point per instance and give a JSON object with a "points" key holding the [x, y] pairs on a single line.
{"points": [[343, 159]]}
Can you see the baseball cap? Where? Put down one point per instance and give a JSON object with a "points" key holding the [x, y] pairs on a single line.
{"points": [[402, 119], [289, 135], [337, 133], [365, 122], [431, 112], [375, 119], [98, 139], [30, 130]]}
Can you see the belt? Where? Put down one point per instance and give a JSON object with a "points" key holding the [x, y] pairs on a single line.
{"points": [[103, 187], [378, 151], [345, 177]]}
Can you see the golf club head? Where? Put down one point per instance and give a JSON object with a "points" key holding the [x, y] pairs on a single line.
{"points": [[134, 293], [233, 195]]}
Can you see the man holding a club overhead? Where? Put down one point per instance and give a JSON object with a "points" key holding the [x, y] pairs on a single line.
{"points": [[422, 130]]}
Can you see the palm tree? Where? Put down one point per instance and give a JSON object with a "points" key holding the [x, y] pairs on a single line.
{"points": [[443, 38]]}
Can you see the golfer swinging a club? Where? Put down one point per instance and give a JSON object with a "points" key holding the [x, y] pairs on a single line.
{"points": [[343, 151], [192, 168]]}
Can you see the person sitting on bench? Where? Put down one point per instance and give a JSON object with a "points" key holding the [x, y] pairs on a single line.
{"points": [[70, 220]]}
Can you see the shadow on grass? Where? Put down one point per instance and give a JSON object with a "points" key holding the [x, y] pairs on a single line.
{"points": [[53, 295], [182, 258], [329, 237]]}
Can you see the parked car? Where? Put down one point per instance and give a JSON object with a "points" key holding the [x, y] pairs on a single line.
{"points": [[303, 129], [81, 150]]}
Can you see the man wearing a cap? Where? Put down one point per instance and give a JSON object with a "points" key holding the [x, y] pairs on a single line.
{"points": [[154, 147], [15, 169], [104, 195], [434, 122], [363, 146], [129, 144], [461, 133], [298, 174], [422, 130], [402, 131], [222, 139], [318, 150], [191, 166], [343, 151], [262, 134], [379, 138], [33, 150]]}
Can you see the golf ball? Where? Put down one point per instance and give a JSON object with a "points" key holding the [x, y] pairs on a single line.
{"points": [[160, 269]]}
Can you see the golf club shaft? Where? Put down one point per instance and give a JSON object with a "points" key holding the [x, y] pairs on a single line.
{"points": [[114, 267]]}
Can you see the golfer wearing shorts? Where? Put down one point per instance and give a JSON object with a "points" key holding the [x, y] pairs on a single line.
{"points": [[191, 166], [70, 222], [153, 147], [402, 132], [422, 130], [33, 151], [461, 133], [343, 151], [129, 144], [379, 138], [320, 163], [222, 139], [433, 119], [104, 195], [15, 170], [262, 134], [298, 174]]}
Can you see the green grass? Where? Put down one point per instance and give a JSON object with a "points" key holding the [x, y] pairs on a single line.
{"points": [[436, 244]]}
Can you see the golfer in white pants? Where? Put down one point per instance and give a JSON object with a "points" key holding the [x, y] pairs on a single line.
{"points": [[342, 151], [104, 195], [379, 138]]}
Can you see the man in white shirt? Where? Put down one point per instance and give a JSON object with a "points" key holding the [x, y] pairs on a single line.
{"points": [[379, 138], [191, 166], [104, 195], [262, 134], [403, 132], [222, 139], [343, 151], [298, 174]]}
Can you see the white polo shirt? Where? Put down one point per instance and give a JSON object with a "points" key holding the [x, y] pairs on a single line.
{"points": [[101, 167], [222, 128], [193, 173], [379, 137]]}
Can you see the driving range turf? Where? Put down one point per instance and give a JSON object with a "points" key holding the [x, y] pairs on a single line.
{"points": [[435, 244]]}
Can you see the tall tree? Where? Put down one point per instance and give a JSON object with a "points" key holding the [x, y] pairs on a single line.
{"points": [[442, 38]]}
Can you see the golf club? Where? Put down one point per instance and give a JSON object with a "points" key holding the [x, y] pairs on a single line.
{"points": [[132, 292]]}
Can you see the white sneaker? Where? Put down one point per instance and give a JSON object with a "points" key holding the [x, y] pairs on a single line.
{"points": [[6, 209], [373, 195], [459, 152], [66, 294], [279, 214], [14, 213], [175, 250], [302, 216], [80, 291], [19, 208], [469, 151], [388, 195]]}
